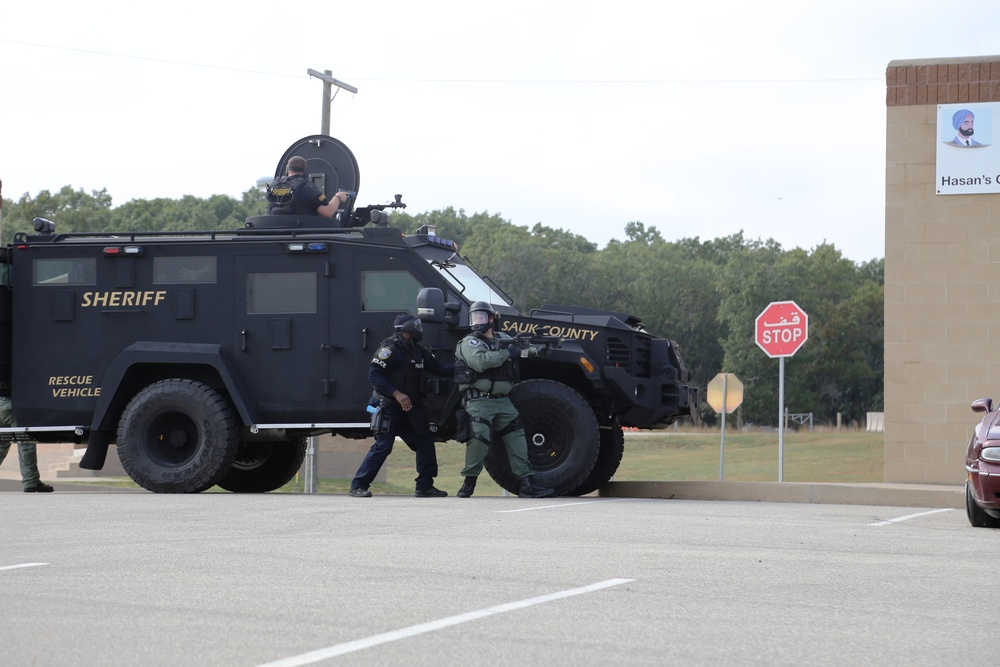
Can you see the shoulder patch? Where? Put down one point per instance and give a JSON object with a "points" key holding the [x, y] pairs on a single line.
{"points": [[474, 341], [384, 353]]}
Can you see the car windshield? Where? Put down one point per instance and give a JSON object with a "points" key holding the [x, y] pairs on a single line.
{"points": [[467, 282]]}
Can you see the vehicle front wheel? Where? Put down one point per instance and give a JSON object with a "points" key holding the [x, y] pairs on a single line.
{"points": [[264, 466], [562, 434], [177, 436], [977, 515], [608, 460]]}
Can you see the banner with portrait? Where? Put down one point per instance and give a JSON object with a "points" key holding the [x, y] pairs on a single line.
{"points": [[968, 162]]}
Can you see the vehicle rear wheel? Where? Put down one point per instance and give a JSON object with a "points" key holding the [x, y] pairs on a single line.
{"points": [[264, 466], [177, 436], [562, 434], [608, 460], [977, 515]]}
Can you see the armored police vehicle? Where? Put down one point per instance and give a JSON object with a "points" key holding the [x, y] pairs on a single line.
{"points": [[209, 357]]}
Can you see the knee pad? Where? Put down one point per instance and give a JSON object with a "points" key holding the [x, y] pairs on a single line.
{"points": [[514, 425], [476, 438]]}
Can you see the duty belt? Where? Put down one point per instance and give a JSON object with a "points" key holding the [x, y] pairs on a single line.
{"points": [[475, 393]]}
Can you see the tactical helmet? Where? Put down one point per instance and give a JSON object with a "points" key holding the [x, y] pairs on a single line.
{"points": [[411, 325], [481, 316]]}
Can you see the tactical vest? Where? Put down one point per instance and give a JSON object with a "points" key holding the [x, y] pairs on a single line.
{"points": [[407, 377], [281, 199], [466, 376]]}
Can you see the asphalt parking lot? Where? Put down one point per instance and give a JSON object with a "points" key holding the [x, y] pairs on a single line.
{"points": [[220, 579]]}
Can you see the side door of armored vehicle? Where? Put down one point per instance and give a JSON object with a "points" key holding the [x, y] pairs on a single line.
{"points": [[282, 331], [388, 284]]}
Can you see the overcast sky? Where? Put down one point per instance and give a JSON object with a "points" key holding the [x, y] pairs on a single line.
{"points": [[700, 119]]}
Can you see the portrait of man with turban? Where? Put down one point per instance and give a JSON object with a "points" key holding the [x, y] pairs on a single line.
{"points": [[964, 123]]}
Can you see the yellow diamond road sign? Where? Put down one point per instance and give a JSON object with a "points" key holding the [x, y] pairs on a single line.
{"points": [[733, 392]]}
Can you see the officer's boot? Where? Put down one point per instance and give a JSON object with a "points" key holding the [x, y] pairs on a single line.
{"points": [[530, 490], [468, 486]]}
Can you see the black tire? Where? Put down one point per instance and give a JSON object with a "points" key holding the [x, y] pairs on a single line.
{"points": [[608, 460], [177, 436], [264, 466], [562, 434], [977, 515]]}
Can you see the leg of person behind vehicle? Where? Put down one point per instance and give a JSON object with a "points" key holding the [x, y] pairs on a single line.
{"points": [[27, 453]]}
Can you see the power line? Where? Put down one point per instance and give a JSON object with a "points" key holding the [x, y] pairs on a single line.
{"points": [[624, 81], [467, 81]]}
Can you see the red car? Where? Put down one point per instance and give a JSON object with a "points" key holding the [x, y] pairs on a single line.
{"points": [[982, 468]]}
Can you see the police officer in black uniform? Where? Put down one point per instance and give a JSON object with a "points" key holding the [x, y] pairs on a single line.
{"points": [[396, 372], [294, 194]]}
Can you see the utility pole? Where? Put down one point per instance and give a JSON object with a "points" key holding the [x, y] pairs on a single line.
{"points": [[328, 83]]}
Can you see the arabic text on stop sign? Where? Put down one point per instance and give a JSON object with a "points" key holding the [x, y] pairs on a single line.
{"points": [[789, 335]]}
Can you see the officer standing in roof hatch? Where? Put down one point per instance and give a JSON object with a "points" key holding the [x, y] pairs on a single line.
{"points": [[294, 194], [396, 372]]}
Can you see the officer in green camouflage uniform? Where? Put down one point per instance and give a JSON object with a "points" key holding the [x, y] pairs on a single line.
{"points": [[485, 389]]}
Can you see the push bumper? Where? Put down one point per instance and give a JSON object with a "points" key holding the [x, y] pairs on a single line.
{"points": [[654, 402]]}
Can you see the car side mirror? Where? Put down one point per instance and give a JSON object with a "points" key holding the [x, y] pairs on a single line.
{"points": [[982, 405], [430, 305]]}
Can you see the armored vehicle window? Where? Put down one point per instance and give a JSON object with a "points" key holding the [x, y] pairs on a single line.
{"points": [[168, 270], [269, 293], [389, 290], [80, 271], [465, 280]]}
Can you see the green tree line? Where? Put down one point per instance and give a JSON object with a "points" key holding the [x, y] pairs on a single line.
{"points": [[705, 295]]}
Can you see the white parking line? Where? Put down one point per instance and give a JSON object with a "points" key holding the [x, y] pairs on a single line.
{"points": [[546, 507], [14, 567], [422, 628], [900, 519]]}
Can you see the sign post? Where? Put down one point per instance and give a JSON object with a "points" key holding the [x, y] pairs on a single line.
{"points": [[725, 394], [780, 330]]}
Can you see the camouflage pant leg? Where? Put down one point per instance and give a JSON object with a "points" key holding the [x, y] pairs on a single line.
{"points": [[27, 459], [27, 453], [478, 446], [6, 412], [514, 441], [493, 415]]}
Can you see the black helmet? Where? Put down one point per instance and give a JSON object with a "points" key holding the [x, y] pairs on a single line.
{"points": [[411, 325], [481, 316]]}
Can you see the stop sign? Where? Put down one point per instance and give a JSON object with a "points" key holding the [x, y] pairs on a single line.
{"points": [[731, 398], [781, 329]]}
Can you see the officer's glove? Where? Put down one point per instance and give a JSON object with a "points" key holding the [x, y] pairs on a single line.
{"points": [[532, 351], [514, 350]]}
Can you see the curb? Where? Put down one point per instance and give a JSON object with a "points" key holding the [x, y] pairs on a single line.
{"points": [[894, 495]]}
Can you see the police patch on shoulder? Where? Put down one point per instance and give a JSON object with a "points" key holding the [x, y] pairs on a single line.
{"points": [[384, 353], [475, 341]]}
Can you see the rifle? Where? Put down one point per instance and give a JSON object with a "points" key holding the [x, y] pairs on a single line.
{"points": [[374, 213], [526, 341], [465, 375]]}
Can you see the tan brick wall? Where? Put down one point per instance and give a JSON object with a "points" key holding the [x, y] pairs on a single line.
{"points": [[942, 278]]}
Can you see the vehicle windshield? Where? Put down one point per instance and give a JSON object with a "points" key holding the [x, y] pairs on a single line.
{"points": [[467, 282]]}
